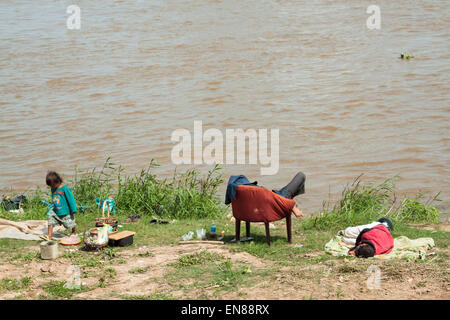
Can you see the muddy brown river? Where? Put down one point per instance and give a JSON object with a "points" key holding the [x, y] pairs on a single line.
{"points": [[342, 99]]}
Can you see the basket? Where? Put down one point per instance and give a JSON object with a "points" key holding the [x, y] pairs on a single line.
{"points": [[112, 221], [94, 231], [91, 246]]}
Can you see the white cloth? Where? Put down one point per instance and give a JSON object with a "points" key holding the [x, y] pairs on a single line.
{"points": [[351, 233], [27, 230]]}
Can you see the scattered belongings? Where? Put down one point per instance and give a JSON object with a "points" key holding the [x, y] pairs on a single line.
{"points": [[49, 250], [83, 208], [33, 230], [201, 242], [403, 248], [94, 231], [158, 221], [71, 240], [122, 239], [109, 201], [244, 239], [201, 234], [111, 221], [20, 210], [97, 241], [188, 236], [212, 232], [14, 204], [132, 219]]}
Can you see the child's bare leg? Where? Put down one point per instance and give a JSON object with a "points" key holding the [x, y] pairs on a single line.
{"points": [[50, 232]]}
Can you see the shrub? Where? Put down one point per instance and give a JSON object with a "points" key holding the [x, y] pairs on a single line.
{"points": [[187, 195], [360, 203], [413, 211]]}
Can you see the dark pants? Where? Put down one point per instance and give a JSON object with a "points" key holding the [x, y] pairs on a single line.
{"points": [[295, 187]]}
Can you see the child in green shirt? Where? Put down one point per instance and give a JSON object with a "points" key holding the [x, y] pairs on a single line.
{"points": [[65, 205]]}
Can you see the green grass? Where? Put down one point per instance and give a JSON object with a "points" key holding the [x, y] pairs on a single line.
{"points": [[362, 203], [10, 284], [144, 254], [56, 290], [106, 277], [143, 194], [138, 270], [414, 211], [197, 258], [186, 195], [218, 274], [24, 257], [154, 296]]}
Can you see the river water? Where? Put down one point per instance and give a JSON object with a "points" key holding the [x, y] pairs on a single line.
{"points": [[343, 101]]}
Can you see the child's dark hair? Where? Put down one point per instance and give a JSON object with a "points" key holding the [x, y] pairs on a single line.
{"points": [[365, 251], [53, 179]]}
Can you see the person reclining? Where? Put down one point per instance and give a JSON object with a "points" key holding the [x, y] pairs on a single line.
{"points": [[351, 233], [373, 241], [291, 190]]}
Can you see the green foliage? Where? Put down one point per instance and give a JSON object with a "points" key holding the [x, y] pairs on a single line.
{"points": [[197, 259], [90, 185], [187, 195], [154, 296], [360, 203], [413, 211], [144, 254], [138, 270], [56, 290], [25, 257], [10, 284]]}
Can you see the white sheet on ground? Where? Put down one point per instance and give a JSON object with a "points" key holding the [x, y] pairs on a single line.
{"points": [[27, 230]]}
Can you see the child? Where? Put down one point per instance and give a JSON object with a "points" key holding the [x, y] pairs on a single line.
{"points": [[373, 241], [65, 205], [351, 233]]}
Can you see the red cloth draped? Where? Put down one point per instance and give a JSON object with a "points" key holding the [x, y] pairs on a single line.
{"points": [[381, 239], [258, 204]]}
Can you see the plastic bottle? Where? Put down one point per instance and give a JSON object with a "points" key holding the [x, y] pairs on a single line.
{"points": [[212, 231]]}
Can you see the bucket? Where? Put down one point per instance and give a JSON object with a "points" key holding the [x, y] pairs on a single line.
{"points": [[49, 250]]}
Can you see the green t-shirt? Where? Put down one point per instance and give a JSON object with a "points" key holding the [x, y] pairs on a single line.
{"points": [[64, 201]]}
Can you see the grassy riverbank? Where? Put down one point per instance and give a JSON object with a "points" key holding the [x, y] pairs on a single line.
{"points": [[157, 267]]}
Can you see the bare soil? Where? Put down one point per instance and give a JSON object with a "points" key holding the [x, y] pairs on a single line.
{"points": [[330, 279]]}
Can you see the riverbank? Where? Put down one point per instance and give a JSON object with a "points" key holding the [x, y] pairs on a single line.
{"points": [[157, 267]]}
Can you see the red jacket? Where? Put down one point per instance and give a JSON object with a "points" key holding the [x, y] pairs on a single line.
{"points": [[258, 204], [379, 236]]}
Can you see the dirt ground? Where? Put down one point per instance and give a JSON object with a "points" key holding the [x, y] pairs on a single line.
{"points": [[330, 279]]}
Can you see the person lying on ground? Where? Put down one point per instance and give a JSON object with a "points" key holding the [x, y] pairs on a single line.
{"points": [[372, 241], [65, 204], [351, 233]]}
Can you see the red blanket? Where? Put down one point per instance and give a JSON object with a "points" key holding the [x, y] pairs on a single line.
{"points": [[257, 204]]}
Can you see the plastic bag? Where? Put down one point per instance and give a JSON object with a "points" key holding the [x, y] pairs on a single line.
{"points": [[99, 239], [201, 234], [187, 236], [102, 235]]}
